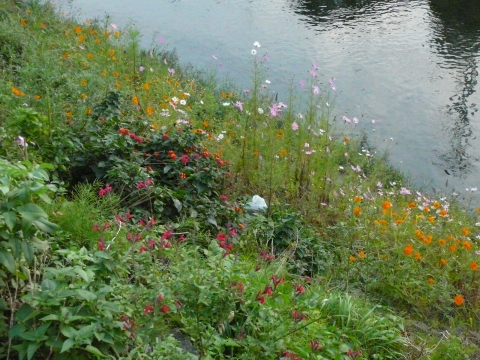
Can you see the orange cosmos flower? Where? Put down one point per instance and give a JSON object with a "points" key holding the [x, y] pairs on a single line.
{"points": [[474, 266], [441, 242], [467, 245], [361, 255], [358, 199], [135, 100], [443, 262], [386, 205], [23, 22], [417, 256], [458, 299], [149, 110], [78, 29], [431, 281], [357, 211], [17, 92], [408, 249], [412, 205], [465, 231], [443, 212], [352, 258], [452, 248]]}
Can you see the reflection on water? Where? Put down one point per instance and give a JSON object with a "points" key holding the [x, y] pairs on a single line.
{"points": [[455, 31], [457, 39]]}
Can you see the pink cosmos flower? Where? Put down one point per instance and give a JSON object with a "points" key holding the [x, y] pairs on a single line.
{"points": [[295, 126], [214, 57], [332, 85], [313, 74], [171, 71], [239, 105], [160, 40], [316, 90], [302, 83]]}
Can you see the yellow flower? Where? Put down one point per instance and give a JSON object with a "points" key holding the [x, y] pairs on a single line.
{"points": [[23, 22], [361, 255], [78, 29], [431, 281], [358, 199], [146, 87], [81, 38], [90, 56], [84, 82], [149, 110], [352, 258], [135, 100]]}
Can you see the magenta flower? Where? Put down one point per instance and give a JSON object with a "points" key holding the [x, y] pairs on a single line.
{"points": [[167, 235], [141, 185], [313, 74], [314, 64], [295, 126], [184, 159], [160, 40], [221, 237], [223, 197]]}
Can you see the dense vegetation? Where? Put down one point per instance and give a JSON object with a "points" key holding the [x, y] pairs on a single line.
{"points": [[128, 230]]}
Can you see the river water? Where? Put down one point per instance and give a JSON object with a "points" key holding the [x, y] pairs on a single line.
{"points": [[412, 66]]}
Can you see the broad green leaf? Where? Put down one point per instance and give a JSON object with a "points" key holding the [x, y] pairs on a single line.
{"points": [[10, 219], [178, 204], [31, 212], [7, 260], [86, 295], [68, 331], [82, 273], [45, 225], [211, 219], [67, 344], [48, 285], [50, 317], [94, 350], [16, 330], [32, 349], [28, 252]]}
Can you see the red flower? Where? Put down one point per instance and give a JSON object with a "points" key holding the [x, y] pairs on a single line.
{"points": [[260, 298], [221, 237], [143, 249], [165, 137], [268, 290], [95, 228], [164, 309], [101, 245], [223, 197], [123, 131], [148, 309], [184, 159], [181, 238], [141, 185], [167, 235], [160, 298], [299, 289]]}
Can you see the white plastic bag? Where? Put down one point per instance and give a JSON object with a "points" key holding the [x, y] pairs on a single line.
{"points": [[257, 204]]}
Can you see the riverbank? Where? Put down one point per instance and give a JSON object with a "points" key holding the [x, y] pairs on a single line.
{"points": [[128, 228]]}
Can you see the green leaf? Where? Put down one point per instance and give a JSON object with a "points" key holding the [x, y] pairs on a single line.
{"points": [[31, 212], [50, 317], [16, 330], [211, 219], [10, 219], [167, 168], [45, 225], [68, 331], [7, 260], [82, 273], [67, 344], [178, 204], [28, 252], [32, 349], [94, 350], [48, 285], [86, 295]]}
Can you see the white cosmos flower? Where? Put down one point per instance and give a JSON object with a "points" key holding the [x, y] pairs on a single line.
{"points": [[256, 44], [183, 102], [260, 111], [175, 100], [254, 52], [268, 81], [226, 104]]}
